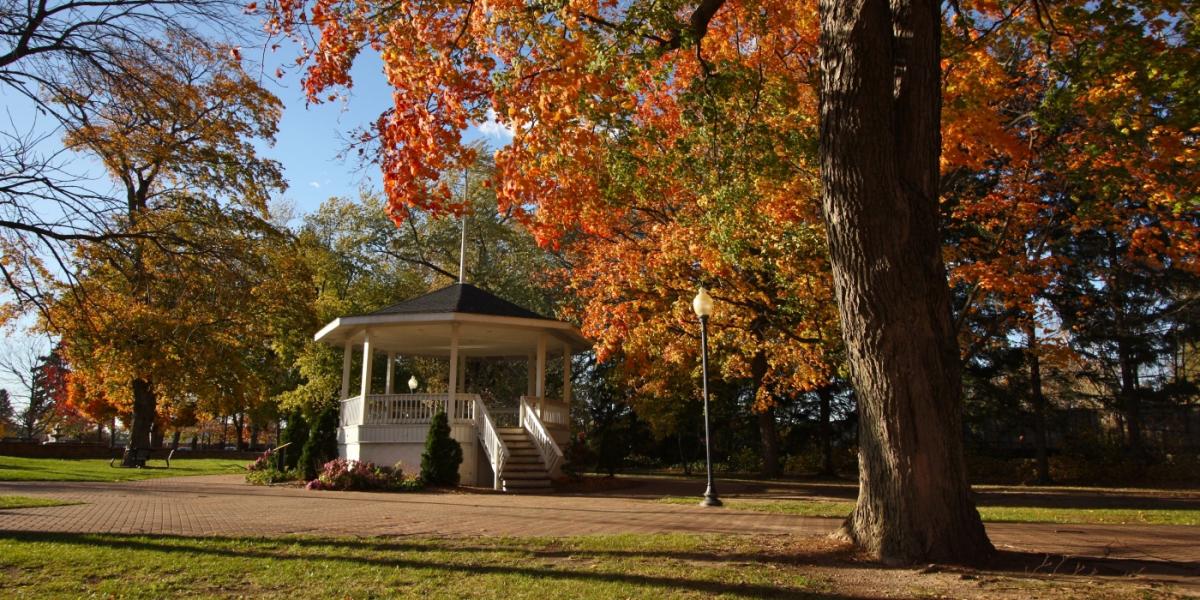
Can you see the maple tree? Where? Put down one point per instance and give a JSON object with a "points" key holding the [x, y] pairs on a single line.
{"points": [[658, 146], [581, 84], [635, 261], [181, 305], [48, 200], [1065, 125]]}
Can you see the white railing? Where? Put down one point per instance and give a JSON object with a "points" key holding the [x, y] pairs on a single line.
{"points": [[552, 413], [351, 411], [406, 409], [552, 455], [461, 408], [493, 445]]}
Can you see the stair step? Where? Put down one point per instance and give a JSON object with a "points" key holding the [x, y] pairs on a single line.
{"points": [[540, 484], [526, 477], [510, 430], [524, 467]]}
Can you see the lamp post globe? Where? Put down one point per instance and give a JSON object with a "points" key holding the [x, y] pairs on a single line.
{"points": [[412, 383], [702, 304]]}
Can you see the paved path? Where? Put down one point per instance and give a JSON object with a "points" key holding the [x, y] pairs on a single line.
{"points": [[224, 505]]}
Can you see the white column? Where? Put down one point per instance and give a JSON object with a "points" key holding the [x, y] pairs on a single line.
{"points": [[367, 366], [541, 372], [346, 356], [566, 392], [462, 372], [389, 387], [453, 387], [531, 375]]}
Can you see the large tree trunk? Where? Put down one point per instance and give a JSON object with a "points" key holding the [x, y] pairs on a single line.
{"points": [[239, 428], [880, 143], [145, 406], [825, 430], [1038, 401], [766, 418], [1131, 403]]}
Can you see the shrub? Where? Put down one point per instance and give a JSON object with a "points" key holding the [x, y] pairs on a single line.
{"points": [[296, 433], [578, 454], [442, 455], [321, 445], [270, 475], [342, 474], [263, 471]]}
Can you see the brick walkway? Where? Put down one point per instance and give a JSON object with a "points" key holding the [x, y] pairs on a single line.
{"points": [[223, 505]]}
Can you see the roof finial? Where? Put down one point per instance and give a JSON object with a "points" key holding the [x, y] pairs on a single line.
{"points": [[462, 249]]}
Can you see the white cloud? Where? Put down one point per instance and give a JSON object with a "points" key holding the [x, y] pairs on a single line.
{"points": [[314, 184], [493, 128]]}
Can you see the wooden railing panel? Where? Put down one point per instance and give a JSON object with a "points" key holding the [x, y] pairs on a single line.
{"points": [[489, 438], [551, 454]]}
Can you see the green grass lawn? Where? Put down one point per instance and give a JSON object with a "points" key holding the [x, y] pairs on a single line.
{"points": [[48, 565], [28, 502], [991, 514], [14, 468]]}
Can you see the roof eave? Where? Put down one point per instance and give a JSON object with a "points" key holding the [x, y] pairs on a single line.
{"points": [[578, 341]]}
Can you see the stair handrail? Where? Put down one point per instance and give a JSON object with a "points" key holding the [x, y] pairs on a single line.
{"points": [[552, 455], [493, 444]]}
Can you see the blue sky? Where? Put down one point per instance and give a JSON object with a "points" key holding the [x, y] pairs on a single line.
{"points": [[308, 143], [311, 137]]}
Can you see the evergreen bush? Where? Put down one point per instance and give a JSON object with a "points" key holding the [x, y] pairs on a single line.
{"points": [[442, 455], [321, 446], [296, 433]]}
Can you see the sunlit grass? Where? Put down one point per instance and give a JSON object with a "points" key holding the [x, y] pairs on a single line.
{"points": [[992, 514], [39, 565], [28, 502], [14, 468]]}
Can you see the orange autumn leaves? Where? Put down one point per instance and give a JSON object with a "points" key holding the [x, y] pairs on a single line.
{"points": [[656, 166]]}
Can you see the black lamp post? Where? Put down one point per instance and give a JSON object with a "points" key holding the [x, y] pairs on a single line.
{"points": [[702, 304]]}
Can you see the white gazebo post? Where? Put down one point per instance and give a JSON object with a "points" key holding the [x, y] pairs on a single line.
{"points": [[541, 373], [453, 383], [566, 392], [531, 375], [367, 366], [346, 356], [391, 371], [462, 372]]}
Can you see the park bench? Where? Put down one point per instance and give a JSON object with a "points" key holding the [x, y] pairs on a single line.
{"points": [[139, 457]]}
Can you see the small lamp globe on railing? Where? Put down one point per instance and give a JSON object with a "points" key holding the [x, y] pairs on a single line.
{"points": [[412, 384]]}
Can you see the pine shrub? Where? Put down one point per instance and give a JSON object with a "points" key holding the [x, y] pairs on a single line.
{"points": [[296, 433], [442, 455], [321, 446]]}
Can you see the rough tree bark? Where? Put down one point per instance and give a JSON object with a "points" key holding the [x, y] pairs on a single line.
{"points": [[1038, 401], [766, 419], [1131, 402], [145, 407], [880, 143]]}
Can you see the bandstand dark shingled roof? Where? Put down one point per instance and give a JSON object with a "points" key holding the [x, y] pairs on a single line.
{"points": [[459, 298]]}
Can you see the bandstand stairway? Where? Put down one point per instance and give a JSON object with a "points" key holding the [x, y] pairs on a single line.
{"points": [[524, 471]]}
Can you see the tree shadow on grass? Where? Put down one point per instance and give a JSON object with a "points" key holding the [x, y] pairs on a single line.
{"points": [[239, 550], [547, 558], [648, 488]]}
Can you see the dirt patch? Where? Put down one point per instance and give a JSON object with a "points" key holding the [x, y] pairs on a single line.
{"points": [[1010, 575]]}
